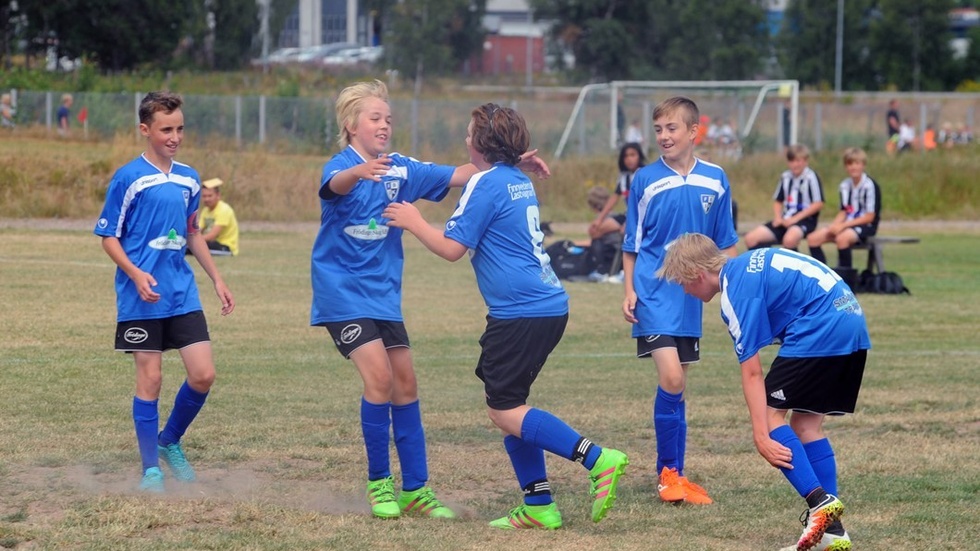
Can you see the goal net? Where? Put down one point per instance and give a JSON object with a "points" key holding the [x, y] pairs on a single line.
{"points": [[756, 115]]}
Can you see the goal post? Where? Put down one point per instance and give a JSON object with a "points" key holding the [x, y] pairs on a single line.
{"points": [[620, 90]]}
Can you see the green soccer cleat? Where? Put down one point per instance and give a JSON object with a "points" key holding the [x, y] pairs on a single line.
{"points": [[381, 496], [173, 456], [423, 502], [152, 481], [547, 517], [605, 477]]}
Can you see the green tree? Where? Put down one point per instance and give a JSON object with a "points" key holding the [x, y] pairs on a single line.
{"points": [[717, 40], [611, 40], [432, 36], [117, 34], [910, 41], [807, 44]]}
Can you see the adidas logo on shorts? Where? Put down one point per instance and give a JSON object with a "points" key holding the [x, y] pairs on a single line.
{"points": [[778, 395]]}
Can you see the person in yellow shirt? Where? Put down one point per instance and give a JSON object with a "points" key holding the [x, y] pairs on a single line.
{"points": [[217, 220]]}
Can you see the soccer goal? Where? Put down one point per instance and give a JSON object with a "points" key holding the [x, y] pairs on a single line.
{"points": [[725, 103]]}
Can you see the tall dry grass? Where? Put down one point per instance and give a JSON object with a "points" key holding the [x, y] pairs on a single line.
{"points": [[44, 176]]}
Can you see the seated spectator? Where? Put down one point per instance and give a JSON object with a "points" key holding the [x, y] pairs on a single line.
{"points": [[857, 219], [6, 112], [796, 204], [929, 138], [605, 236], [906, 136], [631, 159], [217, 220], [946, 135]]}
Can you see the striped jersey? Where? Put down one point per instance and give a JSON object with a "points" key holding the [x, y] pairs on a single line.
{"points": [[149, 212], [779, 296], [797, 193], [663, 205], [498, 219], [357, 260], [857, 200]]}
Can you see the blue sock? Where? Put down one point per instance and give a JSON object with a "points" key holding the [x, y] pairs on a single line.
{"points": [[681, 437], [550, 433], [821, 457], [529, 466], [801, 476], [147, 421], [187, 404], [406, 423], [667, 424], [375, 424]]}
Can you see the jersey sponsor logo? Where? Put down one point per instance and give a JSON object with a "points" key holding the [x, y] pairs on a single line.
{"points": [[706, 201], [367, 232], [135, 335], [170, 242], [778, 395], [103, 223], [757, 262], [520, 191], [350, 333], [391, 188]]}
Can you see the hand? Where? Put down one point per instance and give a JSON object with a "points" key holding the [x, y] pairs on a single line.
{"points": [[775, 453], [402, 215], [224, 295], [530, 162], [374, 169], [144, 286], [629, 305], [777, 222]]}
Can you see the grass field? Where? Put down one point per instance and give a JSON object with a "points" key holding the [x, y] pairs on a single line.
{"points": [[278, 447]]}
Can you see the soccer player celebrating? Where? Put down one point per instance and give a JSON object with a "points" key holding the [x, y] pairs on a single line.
{"points": [[497, 218], [356, 274], [148, 220], [780, 296], [677, 194]]}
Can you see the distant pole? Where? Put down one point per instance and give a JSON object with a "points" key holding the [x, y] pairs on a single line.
{"points": [[264, 29], [839, 61], [529, 81]]}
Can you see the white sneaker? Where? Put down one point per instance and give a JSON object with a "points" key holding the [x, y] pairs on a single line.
{"points": [[829, 542]]}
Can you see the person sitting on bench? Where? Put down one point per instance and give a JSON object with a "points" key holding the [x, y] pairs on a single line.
{"points": [[857, 219]]}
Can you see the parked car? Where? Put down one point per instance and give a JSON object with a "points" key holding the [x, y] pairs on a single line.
{"points": [[315, 54]]}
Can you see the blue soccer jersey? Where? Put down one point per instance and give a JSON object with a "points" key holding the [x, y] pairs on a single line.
{"points": [[663, 205], [357, 260], [148, 211], [773, 296], [498, 219]]}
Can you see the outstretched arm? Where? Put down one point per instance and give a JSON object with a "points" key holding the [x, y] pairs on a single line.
{"points": [[406, 216]]}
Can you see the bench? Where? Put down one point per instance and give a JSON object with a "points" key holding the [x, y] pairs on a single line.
{"points": [[876, 245]]}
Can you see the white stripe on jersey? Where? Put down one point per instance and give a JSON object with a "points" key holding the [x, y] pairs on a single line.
{"points": [[467, 192], [149, 181], [734, 326]]}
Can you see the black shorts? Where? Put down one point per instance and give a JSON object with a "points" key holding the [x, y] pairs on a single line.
{"points": [[158, 335], [352, 334], [807, 225], [688, 348], [827, 385], [514, 351], [864, 232]]}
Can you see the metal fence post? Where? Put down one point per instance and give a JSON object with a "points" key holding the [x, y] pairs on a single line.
{"points": [[262, 119]]}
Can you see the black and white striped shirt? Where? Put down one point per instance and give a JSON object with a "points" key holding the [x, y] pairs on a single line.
{"points": [[798, 193], [862, 198]]}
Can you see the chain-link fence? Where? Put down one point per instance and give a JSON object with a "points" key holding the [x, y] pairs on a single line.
{"points": [[435, 125]]}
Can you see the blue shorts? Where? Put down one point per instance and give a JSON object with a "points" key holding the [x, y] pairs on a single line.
{"points": [[514, 351]]}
